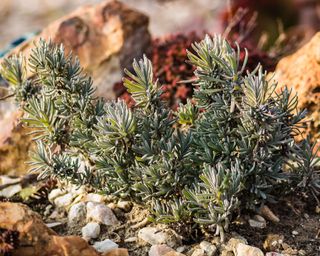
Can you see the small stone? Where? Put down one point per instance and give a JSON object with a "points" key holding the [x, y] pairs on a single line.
{"points": [[131, 239], [91, 230], [77, 214], [257, 224], [112, 206], [173, 254], [181, 249], [295, 233], [10, 191], [233, 242], [302, 252], [155, 236], [63, 201], [76, 190], [198, 252], [105, 246], [274, 254], [53, 224], [209, 248], [55, 193], [117, 252], [92, 197], [101, 213], [247, 250], [159, 250], [125, 205]]}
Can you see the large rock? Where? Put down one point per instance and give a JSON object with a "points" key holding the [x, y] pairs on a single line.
{"points": [[301, 71], [106, 37], [35, 238]]}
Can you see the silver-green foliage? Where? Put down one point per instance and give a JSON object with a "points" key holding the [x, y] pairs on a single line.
{"points": [[233, 148]]}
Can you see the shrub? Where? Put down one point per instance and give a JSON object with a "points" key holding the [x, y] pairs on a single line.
{"points": [[233, 149]]}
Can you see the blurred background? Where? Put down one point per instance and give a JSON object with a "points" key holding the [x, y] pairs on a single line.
{"points": [[21, 17]]}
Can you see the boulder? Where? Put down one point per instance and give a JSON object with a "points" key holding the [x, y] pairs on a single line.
{"points": [[35, 238], [105, 37], [301, 71]]}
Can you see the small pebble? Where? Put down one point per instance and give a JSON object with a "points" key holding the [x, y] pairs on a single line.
{"points": [[131, 239], [105, 246], [90, 231], [77, 214], [159, 250], [101, 213], [209, 248], [63, 201], [125, 205], [198, 252], [295, 233]]}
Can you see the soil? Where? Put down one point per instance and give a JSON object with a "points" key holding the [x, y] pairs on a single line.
{"points": [[295, 215], [299, 227]]}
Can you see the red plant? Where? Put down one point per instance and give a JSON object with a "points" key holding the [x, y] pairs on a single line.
{"points": [[169, 65]]}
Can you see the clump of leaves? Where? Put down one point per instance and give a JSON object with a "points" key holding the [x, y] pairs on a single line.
{"points": [[231, 148]]}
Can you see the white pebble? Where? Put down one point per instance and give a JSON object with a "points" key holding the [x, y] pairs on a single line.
{"points": [[63, 201], [77, 213], [101, 213], [91, 230], [55, 193], [105, 246]]}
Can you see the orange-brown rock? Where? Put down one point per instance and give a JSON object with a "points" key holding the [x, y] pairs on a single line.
{"points": [[301, 71], [106, 37], [117, 252], [35, 238]]}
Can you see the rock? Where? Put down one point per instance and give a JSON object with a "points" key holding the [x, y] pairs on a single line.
{"points": [[198, 252], [91, 230], [10, 186], [101, 213], [295, 233], [131, 239], [35, 238], [105, 246], [174, 254], [233, 243], [117, 252], [55, 193], [247, 250], [301, 71], [209, 248], [15, 143], [159, 250], [258, 222], [181, 249], [63, 201], [268, 214], [69, 246], [106, 37], [77, 214], [53, 224], [125, 205], [154, 236], [92, 197], [274, 254]]}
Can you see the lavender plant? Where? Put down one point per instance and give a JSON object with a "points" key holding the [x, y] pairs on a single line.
{"points": [[232, 148]]}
